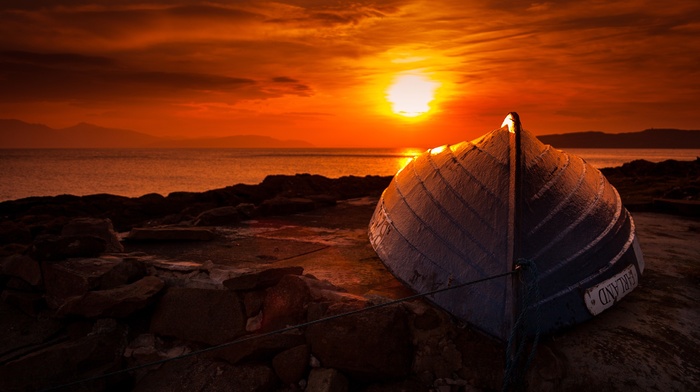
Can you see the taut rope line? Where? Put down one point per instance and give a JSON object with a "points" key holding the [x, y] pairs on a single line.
{"points": [[286, 329]]}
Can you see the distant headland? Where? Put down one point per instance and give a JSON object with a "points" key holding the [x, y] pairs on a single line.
{"points": [[649, 138], [19, 134]]}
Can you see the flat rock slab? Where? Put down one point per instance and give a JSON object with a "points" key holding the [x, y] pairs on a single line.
{"points": [[200, 375], [647, 341], [244, 252], [171, 234], [200, 315], [77, 276], [117, 302], [252, 280], [21, 331]]}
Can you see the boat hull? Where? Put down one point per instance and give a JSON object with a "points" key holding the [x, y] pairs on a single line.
{"points": [[457, 213]]}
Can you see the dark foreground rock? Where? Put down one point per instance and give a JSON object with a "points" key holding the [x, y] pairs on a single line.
{"points": [[375, 345], [276, 195], [199, 315], [71, 312], [640, 182]]}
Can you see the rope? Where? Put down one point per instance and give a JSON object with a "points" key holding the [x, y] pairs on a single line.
{"points": [[514, 374], [279, 331]]}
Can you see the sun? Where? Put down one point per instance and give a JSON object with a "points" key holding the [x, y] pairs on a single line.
{"points": [[410, 95]]}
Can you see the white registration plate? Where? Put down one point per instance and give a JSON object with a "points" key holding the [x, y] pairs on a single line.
{"points": [[606, 293]]}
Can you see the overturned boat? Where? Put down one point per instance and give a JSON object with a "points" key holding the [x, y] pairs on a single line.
{"points": [[474, 210]]}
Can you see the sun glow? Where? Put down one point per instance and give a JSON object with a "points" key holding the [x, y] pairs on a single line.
{"points": [[410, 95]]}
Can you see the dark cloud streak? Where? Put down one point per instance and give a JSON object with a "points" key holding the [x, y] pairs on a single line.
{"points": [[64, 76]]}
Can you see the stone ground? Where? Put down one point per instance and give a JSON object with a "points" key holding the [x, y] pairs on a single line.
{"points": [[649, 341]]}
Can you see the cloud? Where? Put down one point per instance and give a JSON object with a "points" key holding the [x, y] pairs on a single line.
{"points": [[311, 56], [284, 79], [68, 76], [66, 59]]}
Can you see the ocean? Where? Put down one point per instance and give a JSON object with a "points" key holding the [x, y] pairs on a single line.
{"points": [[135, 172]]}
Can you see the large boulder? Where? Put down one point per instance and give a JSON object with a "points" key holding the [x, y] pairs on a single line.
{"points": [[117, 302], [281, 205], [14, 232], [220, 216], [101, 228], [258, 348], [97, 353], [372, 345], [76, 277], [205, 375], [200, 315], [254, 280], [55, 248], [285, 303], [180, 273], [326, 380], [29, 302], [22, 267], [290, 365]]}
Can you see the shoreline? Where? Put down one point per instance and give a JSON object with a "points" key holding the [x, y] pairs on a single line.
{"points": [[640, 184], [101, 283], [115, 175]]}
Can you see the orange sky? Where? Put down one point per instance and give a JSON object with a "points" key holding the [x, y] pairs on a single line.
{"points": [[318, 70]]}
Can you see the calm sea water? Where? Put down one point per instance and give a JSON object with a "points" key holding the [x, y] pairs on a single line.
{"points": [[135, 172]]}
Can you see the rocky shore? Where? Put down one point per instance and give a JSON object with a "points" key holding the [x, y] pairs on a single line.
{"points": [[190, 289]]}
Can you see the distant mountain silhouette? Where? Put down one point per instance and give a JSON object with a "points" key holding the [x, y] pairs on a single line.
{"points": [[649, 138], [19, 134], [238, 141]]}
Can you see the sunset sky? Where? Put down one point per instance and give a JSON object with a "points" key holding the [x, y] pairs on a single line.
{"points": [[323, 70]]}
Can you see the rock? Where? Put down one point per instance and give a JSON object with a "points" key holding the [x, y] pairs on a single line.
{"points": [[254, 323], [200, 315], [53, 248], [190, 274], [326, 380], [101, 228], [28, 302], [16, 283], [11, 249], [428, 319], [258, 348], [22, 267], [408, 385], [175, 266], [117, 302], [78, 276], [323, 290], [246, 210], [218, 217], [290, 365], [14, 233], [373, 345], [205, 375], [324, 200], [127, 271], [260, 279], [253, 301], [147, 348], [285, 206], [97, 353], [548, 370], [344, 188], [436, 355], [285, 303], [143, 349], [483, 359], [171, 234]]}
